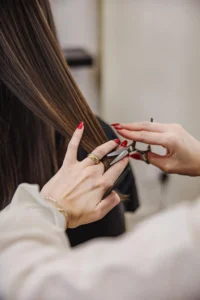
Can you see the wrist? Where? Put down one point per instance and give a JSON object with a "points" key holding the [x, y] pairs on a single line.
{"points": [[195, 170], [58, 207], [197, 167]]}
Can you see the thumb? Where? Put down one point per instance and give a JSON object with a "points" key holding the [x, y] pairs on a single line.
{"points": [[159, 161], [107, 204]]}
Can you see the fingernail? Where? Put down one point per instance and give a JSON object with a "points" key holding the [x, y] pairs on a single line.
{"points": [[135, 156], [80, 125], [124, 144], [118, 128], [115, 124], [117, 141]]}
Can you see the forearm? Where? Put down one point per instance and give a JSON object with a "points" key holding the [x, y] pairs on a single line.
{"points": [[157, 261]]}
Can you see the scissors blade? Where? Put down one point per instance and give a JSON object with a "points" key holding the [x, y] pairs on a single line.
{"points": [[115, 153], [123, 154]]}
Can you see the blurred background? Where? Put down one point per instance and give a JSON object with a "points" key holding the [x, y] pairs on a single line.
{"points": [[136, 59]]}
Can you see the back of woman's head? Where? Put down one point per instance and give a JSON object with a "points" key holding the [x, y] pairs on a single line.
{"points": [[37, 96]]}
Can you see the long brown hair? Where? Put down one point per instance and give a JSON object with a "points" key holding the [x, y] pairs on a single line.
{"points": [[37, 96]]}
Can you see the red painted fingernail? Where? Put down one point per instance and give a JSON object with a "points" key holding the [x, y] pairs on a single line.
{"points": [[135, 156], [115, 124], [118, 128], [117, 141], [124, 144], [80, 125]]}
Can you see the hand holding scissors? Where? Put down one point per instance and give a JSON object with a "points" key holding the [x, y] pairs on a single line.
{"points": [[121, 153], [182, 149]]}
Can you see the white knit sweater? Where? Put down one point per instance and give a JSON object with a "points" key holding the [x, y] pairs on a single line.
{"points": [[159, 260]]}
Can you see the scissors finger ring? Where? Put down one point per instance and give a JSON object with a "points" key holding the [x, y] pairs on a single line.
{"points": [[144, 155]]}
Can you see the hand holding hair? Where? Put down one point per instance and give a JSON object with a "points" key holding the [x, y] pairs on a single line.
{"points": [[78, 187], [182, 149]]}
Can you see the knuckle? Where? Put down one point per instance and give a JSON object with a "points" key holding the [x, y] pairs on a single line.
{"points": [[104, 184], [172, 139], [116, 198], [102, 153], [99, 151], [87, 173], [72, 145], [90, 172], [177, 127], [111, 143], [145, 125], [99, 214], [167, 168], [104, 149], [143, 136]]}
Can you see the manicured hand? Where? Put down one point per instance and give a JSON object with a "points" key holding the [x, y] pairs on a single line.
{"points": [[79, 186], [182, 149]]}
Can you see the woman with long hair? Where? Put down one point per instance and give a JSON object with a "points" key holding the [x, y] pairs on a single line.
{"points": [[159, 259], [40, 105]]}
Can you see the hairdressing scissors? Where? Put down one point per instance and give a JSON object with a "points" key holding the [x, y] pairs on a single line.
{"points": [[121, 153]]}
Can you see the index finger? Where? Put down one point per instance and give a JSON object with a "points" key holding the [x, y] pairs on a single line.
{"points": [[145, 126], [151, 138]]}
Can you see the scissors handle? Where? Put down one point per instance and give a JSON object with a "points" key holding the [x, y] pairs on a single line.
{"points": [[131, 147]]}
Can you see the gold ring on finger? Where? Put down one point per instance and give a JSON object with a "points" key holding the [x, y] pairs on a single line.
{"points": [[94, 158]]}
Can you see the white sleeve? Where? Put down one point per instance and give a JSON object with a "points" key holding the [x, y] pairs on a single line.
{"points": [[160, 260]]}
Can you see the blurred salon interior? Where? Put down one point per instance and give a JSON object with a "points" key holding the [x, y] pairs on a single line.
{"points": [[133, 60]]}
